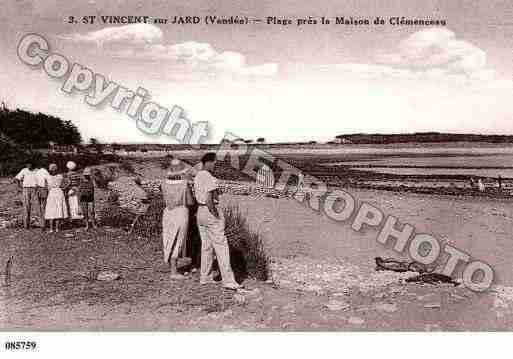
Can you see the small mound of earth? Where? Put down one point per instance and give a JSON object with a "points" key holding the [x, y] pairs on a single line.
{"points": [[131, 196]]}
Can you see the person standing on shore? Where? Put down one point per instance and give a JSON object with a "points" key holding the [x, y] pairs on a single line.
{"points": [[56, 209], [211, 226], [175, 219], [86, 192], [72, 183], [27, 182], [42, 192], [480, 185]]}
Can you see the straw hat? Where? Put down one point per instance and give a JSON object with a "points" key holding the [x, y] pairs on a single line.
{"points": [[71, 165], [87, 171], [176, 168]]}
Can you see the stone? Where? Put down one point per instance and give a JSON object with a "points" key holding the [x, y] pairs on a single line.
{"points": [[432, 327], [432, 305], [227, 313], [107, 276], [500, 303], [386, 307], [336, 305], [314, 288], [252, 292], [457, 297], [291, 308], [339, 294], [239, 298], [356, 320]]}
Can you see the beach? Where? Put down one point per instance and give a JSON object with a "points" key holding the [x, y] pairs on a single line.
{"points": [[323, 276]]}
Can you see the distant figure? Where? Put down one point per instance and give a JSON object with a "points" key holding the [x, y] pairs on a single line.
{"points": [[473, 183], [265, 177], [499, 180], [300, 192], [480, 185], [56, 209], [27, 181], [86, 192], [72, 189], [42, 192]]}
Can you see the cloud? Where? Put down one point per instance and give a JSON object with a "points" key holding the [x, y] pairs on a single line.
{"points": [[437, 50], [115, 37], [144, 41]]}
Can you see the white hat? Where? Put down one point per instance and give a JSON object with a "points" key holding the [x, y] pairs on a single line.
{"points": [[71, 165]]}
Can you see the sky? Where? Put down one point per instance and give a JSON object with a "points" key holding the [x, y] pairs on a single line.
{"points": [[284, 83]]}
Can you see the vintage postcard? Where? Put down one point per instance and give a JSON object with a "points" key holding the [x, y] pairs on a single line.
{"points": [[263, 166]]}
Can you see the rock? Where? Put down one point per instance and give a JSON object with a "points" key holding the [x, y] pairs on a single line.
{"points": [[500, 303], [457, 297], [107, 276], [313, 288], [386, 307], [432, 327], [432, 305], [340, 294], [239, 298], [227, 313], [356, 320], [252, 292], [429, 296], [228, 327], [336, 305], [291, 308]]}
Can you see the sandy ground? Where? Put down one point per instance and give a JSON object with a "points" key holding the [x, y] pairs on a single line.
{"points": [[50, 292], [481, 227]]}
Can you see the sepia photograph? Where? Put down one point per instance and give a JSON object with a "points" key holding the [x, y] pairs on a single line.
{"points": [[268, 167]]}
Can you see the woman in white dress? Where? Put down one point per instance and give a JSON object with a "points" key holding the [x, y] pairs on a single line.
{"points": [[56, 208]]}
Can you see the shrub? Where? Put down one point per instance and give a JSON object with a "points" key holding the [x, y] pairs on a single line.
{"points": [[247, 249], [127, 166]]}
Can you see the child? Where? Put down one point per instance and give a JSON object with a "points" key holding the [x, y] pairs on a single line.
{"points": [[86, 190], [72, 183]]}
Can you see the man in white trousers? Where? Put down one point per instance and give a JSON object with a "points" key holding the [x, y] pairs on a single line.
{"points": [[211, 226]]}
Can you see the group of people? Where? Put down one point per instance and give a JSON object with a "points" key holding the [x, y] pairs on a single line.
{"points": [[187, 191], [183, 189], [58, 196]]}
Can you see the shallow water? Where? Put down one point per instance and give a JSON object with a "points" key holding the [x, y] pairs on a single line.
{"points": [[505, 173]]}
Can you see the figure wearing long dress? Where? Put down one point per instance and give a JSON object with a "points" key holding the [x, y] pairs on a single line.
{"points": [[175, 219]]}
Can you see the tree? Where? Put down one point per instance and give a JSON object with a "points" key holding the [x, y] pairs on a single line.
{"points": [[37, 129], [261, 140], [98, 147], [115, 147]]}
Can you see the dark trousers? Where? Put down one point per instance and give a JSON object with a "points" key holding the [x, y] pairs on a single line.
{"points": [[28, 195], [42, 195]]}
